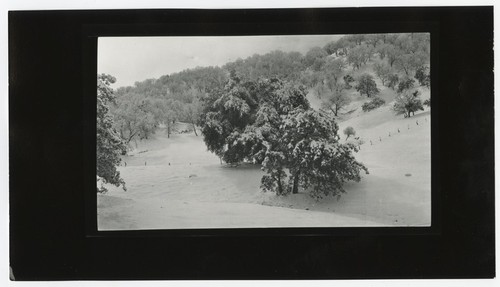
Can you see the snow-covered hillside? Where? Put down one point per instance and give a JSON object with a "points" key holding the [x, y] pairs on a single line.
{"points": [[176, 183]]}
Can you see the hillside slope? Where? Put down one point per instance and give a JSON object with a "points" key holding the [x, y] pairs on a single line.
{"points": [[175, 183]]}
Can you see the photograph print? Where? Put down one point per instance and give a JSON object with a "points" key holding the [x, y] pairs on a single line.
{"points": [[263, 131]]}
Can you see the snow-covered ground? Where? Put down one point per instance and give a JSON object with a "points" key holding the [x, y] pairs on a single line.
{"points": [[176, 183]]}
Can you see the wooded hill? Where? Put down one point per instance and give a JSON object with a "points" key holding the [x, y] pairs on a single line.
{"points": [[327, 71]]}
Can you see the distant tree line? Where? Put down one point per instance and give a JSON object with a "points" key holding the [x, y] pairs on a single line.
{"points": [[142, 108]]}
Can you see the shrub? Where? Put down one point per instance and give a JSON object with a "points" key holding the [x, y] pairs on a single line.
{"points": [[373, 104], [349, 131]]}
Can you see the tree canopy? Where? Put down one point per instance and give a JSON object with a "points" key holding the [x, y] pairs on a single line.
{"points": [[367, 86], [270, 122], [408, 102]]}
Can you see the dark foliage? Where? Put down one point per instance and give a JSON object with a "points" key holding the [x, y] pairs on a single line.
{"points": [[373, 104], [366, 85], [270, 122], [392, 81], [423, 76], [407, 103], [405, 84], [109, 144]]}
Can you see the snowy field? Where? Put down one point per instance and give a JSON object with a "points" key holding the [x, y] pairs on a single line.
{"points": [[176, 183]]}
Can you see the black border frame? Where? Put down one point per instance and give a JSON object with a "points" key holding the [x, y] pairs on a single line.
{"points": [[52, 125]]}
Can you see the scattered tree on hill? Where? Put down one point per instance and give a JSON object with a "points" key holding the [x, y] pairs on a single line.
{"points": [[391, 38], [383, 71], [423, 76], [366, 85], [349, 131], [141, 109], [334, 69], [286, 65], [191, 109], [392, 53], [191, 113], [136, 117], [413, 52], [409, 63], [381, 50], [331, 87], [109, 144], [315, 58], [310, 78], [356, 38], [408, 102], [335, 99], [392, 81], [171, 111], [333, 47], [344, 45], [405, 84], [359, 56], [373, 39]]}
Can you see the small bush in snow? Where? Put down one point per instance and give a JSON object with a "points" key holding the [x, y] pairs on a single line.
{"points": [[349, 131], [373, 104]]}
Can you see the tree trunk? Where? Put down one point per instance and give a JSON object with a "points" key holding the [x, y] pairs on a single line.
{"points": [[295, 188], [280, 187], [131, 137], [334, 111], [194, 129]]}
